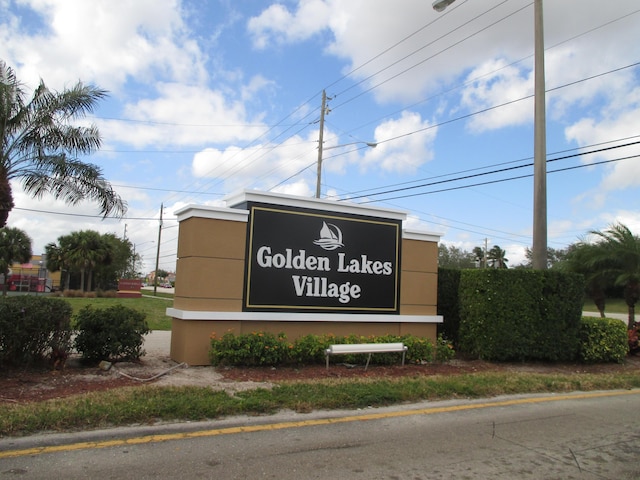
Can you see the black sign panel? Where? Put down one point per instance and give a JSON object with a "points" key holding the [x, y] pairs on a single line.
{"points": [[301, 260]]}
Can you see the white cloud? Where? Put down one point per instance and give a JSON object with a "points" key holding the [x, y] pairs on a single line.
{"points": [[101, 43], [496, 83], [183, 115], [405, 154], [278, 25], [300, 188], [261, 166], [618, 123]]}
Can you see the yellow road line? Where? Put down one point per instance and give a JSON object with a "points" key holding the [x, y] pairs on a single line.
{"points": [[147, 439]]}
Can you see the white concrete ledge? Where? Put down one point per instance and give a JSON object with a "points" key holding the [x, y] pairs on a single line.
{"points": [[300, 317], [214, 213], [421, 235], [281, 199]]}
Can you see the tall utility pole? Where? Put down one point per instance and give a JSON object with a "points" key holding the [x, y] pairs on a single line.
{"points": [[323, 109], [539, 249], [155, 275]]}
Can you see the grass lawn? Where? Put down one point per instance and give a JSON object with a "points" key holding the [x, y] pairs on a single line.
{"points": [[149, 404], [612, 305], [153, 307]]}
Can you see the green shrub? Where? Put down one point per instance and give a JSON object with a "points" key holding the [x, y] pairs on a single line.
{"points": [[267, 349], [309, 349], [603, 340], [31, 327], [444, 350], [520, 314], [250, 349], [419, 349], [113, 333]]}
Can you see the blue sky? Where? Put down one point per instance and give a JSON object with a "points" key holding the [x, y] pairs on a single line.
{"points": [[210, 97]]}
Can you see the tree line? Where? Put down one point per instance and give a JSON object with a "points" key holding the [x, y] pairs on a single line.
{"points": [[450, 256], [86, 259]]}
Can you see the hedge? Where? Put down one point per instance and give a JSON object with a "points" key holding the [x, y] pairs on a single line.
{"points": [[520, 314]]}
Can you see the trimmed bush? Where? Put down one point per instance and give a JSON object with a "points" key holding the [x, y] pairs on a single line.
{"points": [[603, 340], [267, 349], [31, 327], [249, 349], [520, 314], [113, 333]]}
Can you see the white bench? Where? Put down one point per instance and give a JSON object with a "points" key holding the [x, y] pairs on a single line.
{"points": [[369, 348]]}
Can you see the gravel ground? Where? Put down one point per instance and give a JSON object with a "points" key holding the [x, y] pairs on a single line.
{"points": [[157, 367]]}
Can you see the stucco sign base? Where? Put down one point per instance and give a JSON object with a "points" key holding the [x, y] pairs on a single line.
{"points": [[191, 331]]}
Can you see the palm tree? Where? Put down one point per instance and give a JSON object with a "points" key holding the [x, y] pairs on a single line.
{"points": [[87, 250], [84, 252], [496, 257], [617, 256], [480, 257], [40, 145], [579, 259], [58, 260], [15, 246]]}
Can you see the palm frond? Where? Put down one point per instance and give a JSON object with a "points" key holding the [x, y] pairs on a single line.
{"points": [[40, 144]]}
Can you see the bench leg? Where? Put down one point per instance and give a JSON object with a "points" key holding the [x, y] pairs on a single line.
{"points": [[403, 354], [326, 355], [368, 360]]}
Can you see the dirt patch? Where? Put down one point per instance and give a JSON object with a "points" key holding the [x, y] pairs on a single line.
{"points": [[18, 385]]}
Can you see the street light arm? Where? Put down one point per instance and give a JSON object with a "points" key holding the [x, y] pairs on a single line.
{"points": [[368, 144], [440, 5], [321, 149]]}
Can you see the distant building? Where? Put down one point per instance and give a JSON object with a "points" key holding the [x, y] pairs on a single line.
{"points": [[32, 276], [151, 278]]}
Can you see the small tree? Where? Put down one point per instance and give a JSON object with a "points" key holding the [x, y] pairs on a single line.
{"points": [[454, 257], [480, 257], [160, 274], [15, 246]]}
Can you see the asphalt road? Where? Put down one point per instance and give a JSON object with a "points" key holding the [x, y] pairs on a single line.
{"points": [[580, 436]]}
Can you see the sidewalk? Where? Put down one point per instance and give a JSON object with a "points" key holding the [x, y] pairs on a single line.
{"points": [[158, 343], [620, 316]]}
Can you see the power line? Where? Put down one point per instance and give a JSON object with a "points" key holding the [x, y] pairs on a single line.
{"points": [[415, 65], [491, 172], [372, 190], [506, 179], [235, 168]]}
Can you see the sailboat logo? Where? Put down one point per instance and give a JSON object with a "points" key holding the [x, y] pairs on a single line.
{"points": [[330, 237]]}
